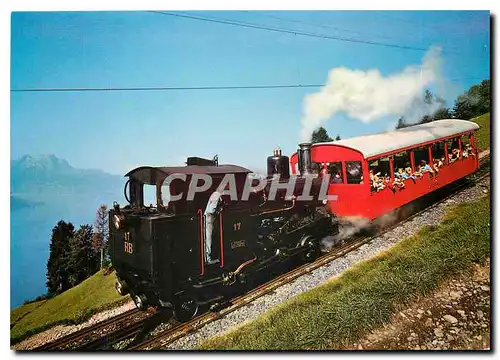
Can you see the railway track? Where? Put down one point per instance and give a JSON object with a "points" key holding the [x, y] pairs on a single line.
{"points": [[178, 331], [91, 338], [132, 322]]}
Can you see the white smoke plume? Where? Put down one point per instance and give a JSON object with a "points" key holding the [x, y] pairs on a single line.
{"points": [[368, 95]]}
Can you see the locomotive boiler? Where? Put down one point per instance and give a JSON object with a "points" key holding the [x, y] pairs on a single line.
{"points": [[158, 250]]}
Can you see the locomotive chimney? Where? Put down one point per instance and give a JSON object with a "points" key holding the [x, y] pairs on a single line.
{"points": [[304, 155]]}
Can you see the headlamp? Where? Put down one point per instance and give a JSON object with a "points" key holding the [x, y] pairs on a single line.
{"points": [[118, 221]]}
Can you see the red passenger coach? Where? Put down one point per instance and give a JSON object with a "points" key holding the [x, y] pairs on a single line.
{"points": [[375, 174]]}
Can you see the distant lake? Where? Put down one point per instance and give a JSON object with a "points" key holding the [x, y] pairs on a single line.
{"points": [[31, 230]]}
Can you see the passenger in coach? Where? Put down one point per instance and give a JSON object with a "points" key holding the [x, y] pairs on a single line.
{"points": [[418, 172], [401, 174], [455, 155], [409, 173], [377, 184], [324, 169], [425, 168], [435, 164], [469, 150], [398, 182], [336, 178]]}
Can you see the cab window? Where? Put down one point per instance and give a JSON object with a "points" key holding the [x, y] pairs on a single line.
{"points": [[149, 195]]}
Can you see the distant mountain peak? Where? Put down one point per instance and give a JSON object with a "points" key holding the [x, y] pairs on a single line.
{"points": [[42, 162]]}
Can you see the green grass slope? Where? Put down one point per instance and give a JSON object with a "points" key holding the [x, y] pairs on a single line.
{"points": [[71, 307], [339, 312], [484, 132]]}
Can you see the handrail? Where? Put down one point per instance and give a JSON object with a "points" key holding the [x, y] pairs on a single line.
{"points": [[221, 241], [277, 210], [202, 247]]}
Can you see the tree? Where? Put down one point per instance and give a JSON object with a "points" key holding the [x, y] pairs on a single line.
{"points": [[474, 102], [463, 108], [101, 234], [401, 123], [337, 138], [57, 264], [428, 97], [442, 113], [485, 96], [320, 135], [83, 259]]}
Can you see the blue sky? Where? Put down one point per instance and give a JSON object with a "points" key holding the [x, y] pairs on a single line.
{"points": [[116, 131]]}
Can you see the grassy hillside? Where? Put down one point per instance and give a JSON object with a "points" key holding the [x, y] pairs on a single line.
{"points": [[73, 306], [483, 133], [363, 298]]}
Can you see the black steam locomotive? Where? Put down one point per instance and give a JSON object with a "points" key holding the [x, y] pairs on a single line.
{"points": [[158, 251]]}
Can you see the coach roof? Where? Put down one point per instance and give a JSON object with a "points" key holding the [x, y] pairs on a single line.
{"points": [[376, 144]]}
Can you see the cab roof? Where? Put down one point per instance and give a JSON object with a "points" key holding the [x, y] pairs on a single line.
{"points": [[151, 175], [377, 144]]}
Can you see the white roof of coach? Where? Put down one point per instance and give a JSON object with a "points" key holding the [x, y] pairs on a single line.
{"points": [[375, 144]]}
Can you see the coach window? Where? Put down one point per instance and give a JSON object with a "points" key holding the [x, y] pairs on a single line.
{"points": [[438, 152], [335, 171], [354, 172], [467, 148], [421, 154], [453, 150], [402, 161], [380, 172], [381, 167]]}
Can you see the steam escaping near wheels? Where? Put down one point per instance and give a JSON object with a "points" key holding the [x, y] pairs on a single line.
{"points": [[329, 242], [348, 226]]}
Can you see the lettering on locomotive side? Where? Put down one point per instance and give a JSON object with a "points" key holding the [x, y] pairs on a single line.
{"points": [[237, 226], [128, 246], [237, 244]]}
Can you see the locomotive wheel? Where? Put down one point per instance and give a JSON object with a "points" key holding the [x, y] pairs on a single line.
{"points": [[121, 288], [140, 301], [185, 308], [313, 250]]}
